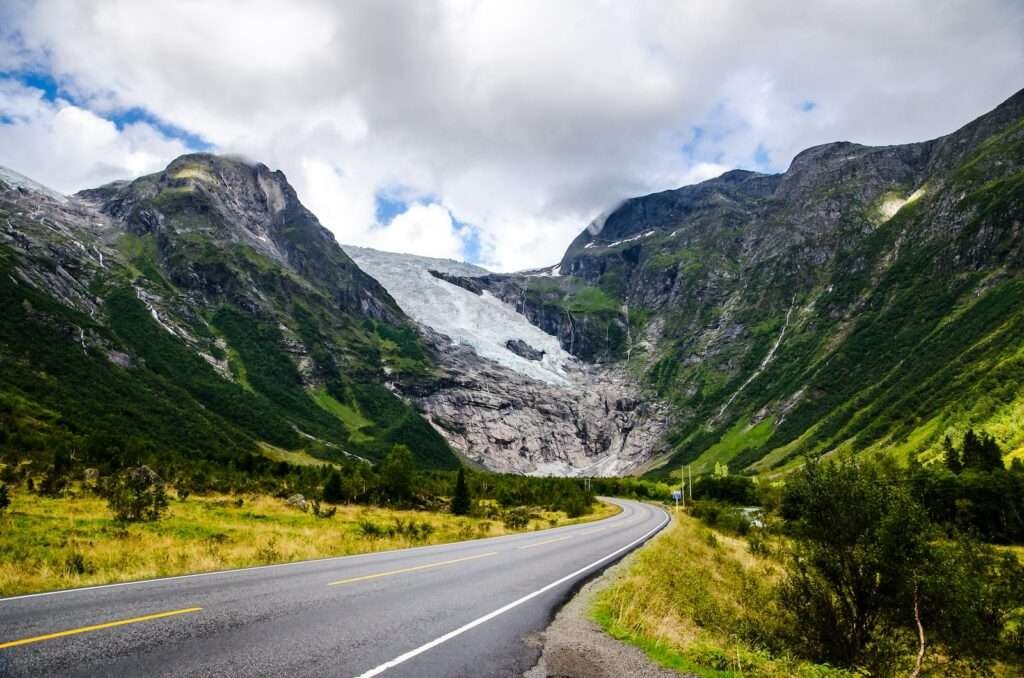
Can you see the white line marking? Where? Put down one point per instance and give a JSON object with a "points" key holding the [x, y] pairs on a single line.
{"points": [[501, 610], [310, 561]]}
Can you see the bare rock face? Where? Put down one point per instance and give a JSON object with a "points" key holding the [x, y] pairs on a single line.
{"points": [[506, 393], [523, 350], [598, 424]]}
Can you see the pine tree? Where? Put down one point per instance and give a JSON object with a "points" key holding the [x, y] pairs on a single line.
{"points": [[332, 488], [971, 455], [981, 453], [462, 503], [951, 456], [990, 457]]}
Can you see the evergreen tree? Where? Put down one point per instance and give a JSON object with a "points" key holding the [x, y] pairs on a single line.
{"points": [[461, 501], [332, 488], [951, 456], [981, 453]]}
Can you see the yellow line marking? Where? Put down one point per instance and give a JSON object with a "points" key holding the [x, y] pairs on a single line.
{"points": [[411, 569], [97, 627], [548, 541]]}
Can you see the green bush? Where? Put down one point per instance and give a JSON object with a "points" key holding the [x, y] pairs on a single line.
{"points": [[136, 495], [516, 518]]}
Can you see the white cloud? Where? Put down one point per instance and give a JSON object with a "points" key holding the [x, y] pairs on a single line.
{"points": [[524, 119], [67, 148]]}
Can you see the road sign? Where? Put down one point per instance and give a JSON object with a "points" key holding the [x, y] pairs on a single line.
{"points": [[677, 494]]}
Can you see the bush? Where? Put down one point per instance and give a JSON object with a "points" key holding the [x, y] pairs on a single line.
{"points": [[136, 495], [517, 518], [5, 498], [866, 573]]}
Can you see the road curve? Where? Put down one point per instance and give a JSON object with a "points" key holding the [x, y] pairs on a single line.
{"points": [[470, 608]]}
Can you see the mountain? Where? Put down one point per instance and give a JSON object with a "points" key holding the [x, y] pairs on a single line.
{"points": [[505, 393], [867, 299], [200, 315]]}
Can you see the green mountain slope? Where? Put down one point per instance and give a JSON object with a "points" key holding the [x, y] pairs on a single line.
{"points": [[199, 315], [867, 299]]}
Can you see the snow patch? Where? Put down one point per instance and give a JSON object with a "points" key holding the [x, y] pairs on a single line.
{"points": [[17, 180], [482, 322]]}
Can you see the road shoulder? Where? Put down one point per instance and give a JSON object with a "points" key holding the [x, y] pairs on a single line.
{"points": [[574, 646]]}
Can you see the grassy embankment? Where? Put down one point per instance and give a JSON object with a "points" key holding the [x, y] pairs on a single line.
{"points": [[698, 600], [73, 541], [691, 599]]}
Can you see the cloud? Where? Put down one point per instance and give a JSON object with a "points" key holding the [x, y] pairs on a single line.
{"points": [[68, 148], [525, 120]]}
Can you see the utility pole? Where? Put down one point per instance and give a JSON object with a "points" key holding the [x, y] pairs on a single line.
{"points": [[690, 471]]}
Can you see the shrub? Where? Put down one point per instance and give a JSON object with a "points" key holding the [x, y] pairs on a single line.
{"points": [[5, 498], [136, 495], [517, 518]]}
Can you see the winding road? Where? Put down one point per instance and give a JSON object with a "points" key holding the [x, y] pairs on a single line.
{"points": [[472, 608]]}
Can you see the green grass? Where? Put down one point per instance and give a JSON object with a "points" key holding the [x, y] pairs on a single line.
{"points": [[740, 438], [354, 421], [592, 300]]}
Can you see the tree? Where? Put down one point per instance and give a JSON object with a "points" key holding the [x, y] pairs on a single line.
{"points": [[859, 542], [136, 495], [462, 503], [951, 456], [397, 473], [981, 453], [332, 488]]}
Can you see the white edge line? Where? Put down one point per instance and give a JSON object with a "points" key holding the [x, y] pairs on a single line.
{"points": [[502, 610], [310, 561]]}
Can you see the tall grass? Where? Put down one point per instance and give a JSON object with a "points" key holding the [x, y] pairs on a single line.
{"points": [[698, 600], [52, 543]]}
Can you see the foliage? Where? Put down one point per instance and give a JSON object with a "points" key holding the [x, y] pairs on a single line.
{"points": [[333, 490], [730, 489], [462, 502], [866, 569], [397, 474], [5, 497], [136, 495], [516, 518]]}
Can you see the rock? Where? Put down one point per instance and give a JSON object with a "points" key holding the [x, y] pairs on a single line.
{"points": [[297, 501], [524, 350]]}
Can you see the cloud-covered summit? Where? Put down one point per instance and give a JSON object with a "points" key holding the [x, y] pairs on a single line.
{"points": [[493, 131]]}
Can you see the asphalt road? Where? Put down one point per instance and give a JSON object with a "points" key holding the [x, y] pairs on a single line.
{"points": [[470, 608]]}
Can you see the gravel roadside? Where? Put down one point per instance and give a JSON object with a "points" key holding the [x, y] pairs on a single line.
{"points": [[576, 647]]}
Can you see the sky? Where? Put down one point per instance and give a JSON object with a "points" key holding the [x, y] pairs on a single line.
{"points": [[486, 131]]}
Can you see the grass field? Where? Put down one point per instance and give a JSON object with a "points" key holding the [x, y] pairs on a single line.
{"points": [[694, 599], [73, 541]]}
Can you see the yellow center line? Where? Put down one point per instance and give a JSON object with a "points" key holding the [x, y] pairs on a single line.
{"points": [[97, 627], [596, 529], [411, 569], [548, 541]]}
